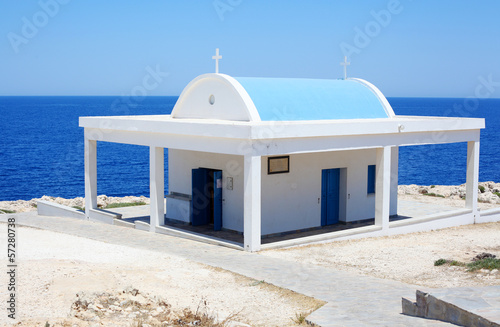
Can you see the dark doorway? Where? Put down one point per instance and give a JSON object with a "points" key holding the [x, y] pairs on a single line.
{"points": [[206, 204]]}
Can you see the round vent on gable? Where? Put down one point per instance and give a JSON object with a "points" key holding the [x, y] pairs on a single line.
{"points": [[199, 97]]}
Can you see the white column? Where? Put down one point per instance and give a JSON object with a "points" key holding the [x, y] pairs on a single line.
{"points": [[472, 176], [90, 174], [156, 187], [383, 187], [394, 180], [252, 203]]}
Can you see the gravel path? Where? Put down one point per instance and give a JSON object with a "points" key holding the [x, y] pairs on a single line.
{"points": [[408, 258]]}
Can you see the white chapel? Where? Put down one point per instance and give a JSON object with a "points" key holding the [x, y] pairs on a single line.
{"points": [[264, 156]]}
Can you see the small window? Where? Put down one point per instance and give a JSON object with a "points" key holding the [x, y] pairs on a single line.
{"points": [[371, 179]]}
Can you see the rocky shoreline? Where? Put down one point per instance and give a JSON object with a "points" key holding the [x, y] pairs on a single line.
{"points": [[488, 192], [102, 202], [488, 196]]}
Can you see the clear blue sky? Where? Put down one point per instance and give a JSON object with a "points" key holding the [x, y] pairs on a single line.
{"points": [[414, 48]]}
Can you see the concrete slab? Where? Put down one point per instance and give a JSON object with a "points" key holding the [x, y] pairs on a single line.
{"points": [[419, 209], [103, 216]]}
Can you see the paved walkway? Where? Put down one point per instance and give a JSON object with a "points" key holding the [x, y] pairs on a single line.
{"points": [[411, 208], [352, 300]]}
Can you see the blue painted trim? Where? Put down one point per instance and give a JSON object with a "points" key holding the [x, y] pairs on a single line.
{"points": [[217, 200], [324, 183], [333, 191], [371, 179], [330, 196]]}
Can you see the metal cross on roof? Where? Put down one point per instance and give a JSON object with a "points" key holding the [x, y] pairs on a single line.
{"points": [[216, 58], [345, 63]]}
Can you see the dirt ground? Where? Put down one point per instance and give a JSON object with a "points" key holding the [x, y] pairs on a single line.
{"points": [[54, 267], [408, 258]]}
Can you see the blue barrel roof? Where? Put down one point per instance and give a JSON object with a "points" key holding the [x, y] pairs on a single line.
{"points": [[285, 99]]}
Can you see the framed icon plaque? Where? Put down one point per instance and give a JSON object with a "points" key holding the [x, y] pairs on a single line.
{"points": [[278, 165]]}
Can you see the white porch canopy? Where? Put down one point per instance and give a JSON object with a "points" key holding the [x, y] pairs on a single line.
{"points": [[254, 139]]}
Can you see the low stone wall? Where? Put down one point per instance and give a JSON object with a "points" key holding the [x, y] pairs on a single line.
{"points": [[430, 307], [46, 208]]}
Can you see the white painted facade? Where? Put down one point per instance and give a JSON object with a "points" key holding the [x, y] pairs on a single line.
{"points": [[300, 208], [216, 124]]}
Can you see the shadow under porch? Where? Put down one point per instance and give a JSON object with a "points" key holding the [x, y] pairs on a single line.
{"points": [[407, 210]]}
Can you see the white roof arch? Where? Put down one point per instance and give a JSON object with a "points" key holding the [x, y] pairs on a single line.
{"points": [[215, 96]]}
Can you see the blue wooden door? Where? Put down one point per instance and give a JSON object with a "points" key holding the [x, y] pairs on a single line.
{"points": [[200, 199], [330, 183], [217, 198]]}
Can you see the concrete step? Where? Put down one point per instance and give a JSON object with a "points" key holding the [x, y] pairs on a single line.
{"points": [[478, 306]]}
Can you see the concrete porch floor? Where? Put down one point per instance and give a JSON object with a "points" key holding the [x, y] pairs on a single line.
{"points": [[406, 210]]}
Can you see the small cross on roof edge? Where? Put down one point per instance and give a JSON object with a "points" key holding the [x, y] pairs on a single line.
{"points": [[216, 58], [345, 63]]}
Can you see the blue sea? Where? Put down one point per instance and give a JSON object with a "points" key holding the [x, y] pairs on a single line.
{"points": [[41, 151]]}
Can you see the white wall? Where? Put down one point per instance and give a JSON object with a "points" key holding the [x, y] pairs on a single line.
{"points": [[182, 162], [301, 207], [289, 200]]}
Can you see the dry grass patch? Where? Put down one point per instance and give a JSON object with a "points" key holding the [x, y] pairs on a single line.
{"points": [[307, 304]]}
